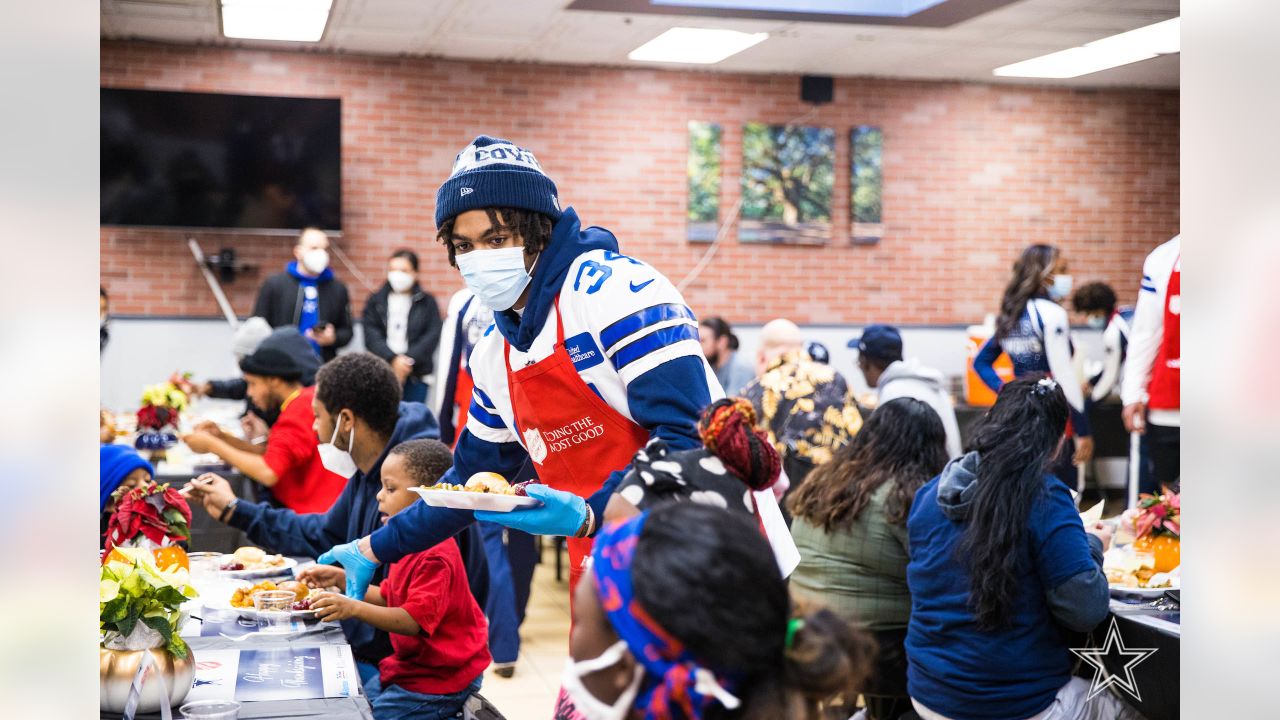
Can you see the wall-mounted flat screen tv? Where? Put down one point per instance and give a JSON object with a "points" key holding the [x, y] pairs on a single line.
{"points": [[215, 161]]}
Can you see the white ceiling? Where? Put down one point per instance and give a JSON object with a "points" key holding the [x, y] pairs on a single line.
{"points": [[543, 31]]}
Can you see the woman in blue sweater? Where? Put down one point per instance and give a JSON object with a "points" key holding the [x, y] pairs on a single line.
{"points": [[1001, 571], [1034, 331]]}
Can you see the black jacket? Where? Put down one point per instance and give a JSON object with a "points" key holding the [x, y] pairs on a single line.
{"points": [[423, 331], [280, 303]]}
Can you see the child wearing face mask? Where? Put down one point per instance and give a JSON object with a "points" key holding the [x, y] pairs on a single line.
{"points": [[402, 325], [439, 636], [1097, 302], [1034, 331], [684, 615]]}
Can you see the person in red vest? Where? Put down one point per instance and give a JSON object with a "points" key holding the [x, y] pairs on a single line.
{"points": [[1151, 391]]}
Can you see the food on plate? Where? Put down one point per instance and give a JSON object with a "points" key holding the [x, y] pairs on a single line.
{"points": [[297, 588], [243, 597], [1130, 570], [482, 482], [252, 558]]}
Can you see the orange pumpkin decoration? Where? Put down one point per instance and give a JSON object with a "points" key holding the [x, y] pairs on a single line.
{"points": [[1166, 549], [168, 556]]}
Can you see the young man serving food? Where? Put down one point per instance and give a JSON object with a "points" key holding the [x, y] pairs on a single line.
{"points": [[592, 354]]}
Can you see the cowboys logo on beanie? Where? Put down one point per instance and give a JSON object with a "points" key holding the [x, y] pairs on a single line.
{"points": [[491, 172]]}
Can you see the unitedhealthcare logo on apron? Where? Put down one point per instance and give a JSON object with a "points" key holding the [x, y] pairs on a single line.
{"points": [[534, 444]]}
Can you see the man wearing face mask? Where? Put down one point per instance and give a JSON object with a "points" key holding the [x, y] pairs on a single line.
{"points": [[402, 325], [1034, 331], [307, 295], [357, 411], [290, 465], [592, 354]]}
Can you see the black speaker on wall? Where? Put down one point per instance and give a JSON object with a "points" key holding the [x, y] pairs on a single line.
{"points": [[817, 89]]}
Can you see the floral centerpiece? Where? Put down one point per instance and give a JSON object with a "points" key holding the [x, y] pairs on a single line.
{"points": [[152, 517], [1157, 528], [158, 416], [139, 616]]}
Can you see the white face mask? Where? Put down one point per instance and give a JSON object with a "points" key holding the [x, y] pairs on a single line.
{"points": [[1096, 321], [497, 277], [1061, 287], [399, 280], [591, 707], [339, 462], [315, 261]]}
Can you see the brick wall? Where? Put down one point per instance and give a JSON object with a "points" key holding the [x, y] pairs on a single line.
{"points": [[972, 174]]}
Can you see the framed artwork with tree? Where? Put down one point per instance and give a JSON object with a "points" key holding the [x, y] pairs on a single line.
{"points": [[787, 178], [704, 181], [866, 181]]}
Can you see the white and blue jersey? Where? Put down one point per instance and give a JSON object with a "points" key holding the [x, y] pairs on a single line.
{"points": [[1040, 343], [622, 321]]}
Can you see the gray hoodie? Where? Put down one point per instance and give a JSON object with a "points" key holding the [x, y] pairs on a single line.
{"points": [[908, 378], [1081, 601]]}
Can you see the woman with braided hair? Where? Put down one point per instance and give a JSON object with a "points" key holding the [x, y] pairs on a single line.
{"points": [[736, 461], [683, 615]]}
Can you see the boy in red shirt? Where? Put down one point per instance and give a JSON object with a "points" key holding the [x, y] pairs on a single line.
{"points": [[439, 636], [291, 465]]}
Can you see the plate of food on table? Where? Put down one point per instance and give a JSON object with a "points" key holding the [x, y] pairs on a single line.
{"points": [[483, 491], [1131, 573], [250, 562], [240, 598]]}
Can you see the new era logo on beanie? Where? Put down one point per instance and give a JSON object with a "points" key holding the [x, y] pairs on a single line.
{"points": [[491, 172]]}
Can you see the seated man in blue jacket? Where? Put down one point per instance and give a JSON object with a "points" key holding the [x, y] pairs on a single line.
{"points": [[360, 416]]}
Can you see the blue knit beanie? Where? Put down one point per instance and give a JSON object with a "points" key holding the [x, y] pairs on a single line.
{"points": [[115, 462], [491, 172]]}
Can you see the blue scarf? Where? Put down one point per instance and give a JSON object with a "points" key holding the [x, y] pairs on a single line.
{"points": [[310, 313], [676, 686]]}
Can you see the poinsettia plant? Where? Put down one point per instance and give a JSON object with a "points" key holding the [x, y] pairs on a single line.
{"points": [[156, 513], [1159, 515], [161, 403], [139, 604]]}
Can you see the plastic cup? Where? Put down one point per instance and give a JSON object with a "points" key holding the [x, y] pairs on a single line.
{"points": [[211, 710], [203, 564], [273, 609]]}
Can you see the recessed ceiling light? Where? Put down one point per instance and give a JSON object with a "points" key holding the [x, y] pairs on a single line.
{"points": [[700, 46], [1144, 43], [292, 20]]}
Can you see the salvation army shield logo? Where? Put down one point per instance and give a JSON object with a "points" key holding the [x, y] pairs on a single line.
{"points": [[534, 444]]}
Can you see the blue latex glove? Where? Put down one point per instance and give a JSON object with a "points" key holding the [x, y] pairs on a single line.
{"points": [[561, 513], [359, 568]]}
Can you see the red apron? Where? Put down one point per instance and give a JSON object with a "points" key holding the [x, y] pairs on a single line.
{"points": [[1165, 391], [572, 435], [462, 400]]}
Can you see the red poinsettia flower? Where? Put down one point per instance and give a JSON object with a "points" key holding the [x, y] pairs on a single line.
{"points": [[156, 512]]}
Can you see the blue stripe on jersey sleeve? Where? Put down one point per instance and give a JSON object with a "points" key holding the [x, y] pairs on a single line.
{"points": [[484, 399], [637, 321], [1148, 288], [485, 417], [655, 340]]}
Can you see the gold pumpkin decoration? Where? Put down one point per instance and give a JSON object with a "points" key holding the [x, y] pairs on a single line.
{"points": [[117, 668]]}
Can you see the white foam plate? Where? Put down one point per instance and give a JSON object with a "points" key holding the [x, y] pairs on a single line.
{"points": [[267, 572], [462, 500], [1122, 591], [222, 602]]}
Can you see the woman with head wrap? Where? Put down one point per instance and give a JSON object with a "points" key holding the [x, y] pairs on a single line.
{"points": [[683, 615]]}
